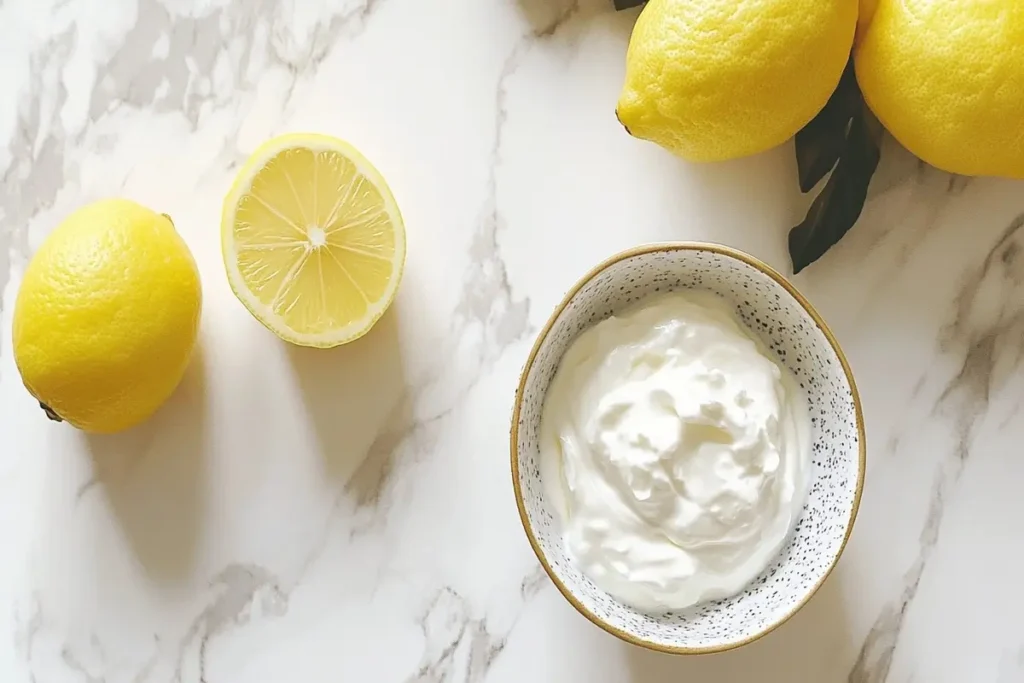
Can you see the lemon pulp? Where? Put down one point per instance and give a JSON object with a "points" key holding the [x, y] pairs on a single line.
{"points": [[313, 241]]}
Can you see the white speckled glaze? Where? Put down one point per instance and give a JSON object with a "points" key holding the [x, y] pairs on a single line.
{"points": [[787, 324]]}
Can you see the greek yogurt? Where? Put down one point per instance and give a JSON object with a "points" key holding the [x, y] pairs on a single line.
{"points": [[677, 451]]}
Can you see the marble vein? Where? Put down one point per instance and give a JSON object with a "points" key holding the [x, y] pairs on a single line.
{"points": [[26, 630], [239, 585], [163, 62], [460, 646], [964, 401]]}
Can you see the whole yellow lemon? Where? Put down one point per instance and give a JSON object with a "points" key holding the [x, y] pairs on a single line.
{"points": [[717, 79], [947, 80], [107, 316]]}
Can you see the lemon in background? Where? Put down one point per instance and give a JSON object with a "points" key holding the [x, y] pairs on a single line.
{"points": [[718, 79], [107, 316], [312, 239], [947, 80]]}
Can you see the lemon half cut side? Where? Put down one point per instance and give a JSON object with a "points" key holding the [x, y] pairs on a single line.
{"points": [[312, 239]]}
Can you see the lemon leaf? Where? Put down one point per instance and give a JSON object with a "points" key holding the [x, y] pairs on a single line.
{"points": [[838, 206], [820, 143]]}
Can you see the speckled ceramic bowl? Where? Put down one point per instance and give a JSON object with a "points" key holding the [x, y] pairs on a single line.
{"points": [[787, 323]]}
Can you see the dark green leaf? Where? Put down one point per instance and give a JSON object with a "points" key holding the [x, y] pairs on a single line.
{"points": [[820, 142], [626, 4], [838, 206]]}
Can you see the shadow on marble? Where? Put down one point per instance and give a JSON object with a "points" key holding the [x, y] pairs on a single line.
{"points": [[154, 478], [802, 649], [354, 395]]}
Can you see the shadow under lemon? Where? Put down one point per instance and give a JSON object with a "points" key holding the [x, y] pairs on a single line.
{"points": [[814, 645], [356, 398], [154, 476]]}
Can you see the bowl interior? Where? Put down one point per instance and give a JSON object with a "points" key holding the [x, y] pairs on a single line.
{"points": [[768, 309]]}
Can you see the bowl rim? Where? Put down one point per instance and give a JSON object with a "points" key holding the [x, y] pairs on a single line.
{"points": [[781, 280]]}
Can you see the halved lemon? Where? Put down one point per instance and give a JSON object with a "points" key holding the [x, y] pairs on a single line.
{"points": [[313, 241]]}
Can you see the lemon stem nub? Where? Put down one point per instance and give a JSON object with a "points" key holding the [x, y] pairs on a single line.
{"points": [[49, 412]]}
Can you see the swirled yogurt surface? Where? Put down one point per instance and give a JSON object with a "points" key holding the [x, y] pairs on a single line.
{"points": [[677, 450]]}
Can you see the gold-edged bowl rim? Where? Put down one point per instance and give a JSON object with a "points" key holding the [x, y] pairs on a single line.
{"points": [[781, 280]]}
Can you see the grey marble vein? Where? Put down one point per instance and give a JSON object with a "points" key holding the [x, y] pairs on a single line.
{"points": [[26, 630], [958, 184], [164, 63], [36, 171], [163, 78], [238, 585], [964, 401], [304, 62], [487, 298], [955, 183], [487, 295], [459, 645], [533, 582], [69, 659]]}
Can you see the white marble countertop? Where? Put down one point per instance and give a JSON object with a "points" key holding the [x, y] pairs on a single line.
{"points": [[296, 515]]}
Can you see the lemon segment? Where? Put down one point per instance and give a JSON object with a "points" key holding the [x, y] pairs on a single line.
{"points": [[313, 241]]}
